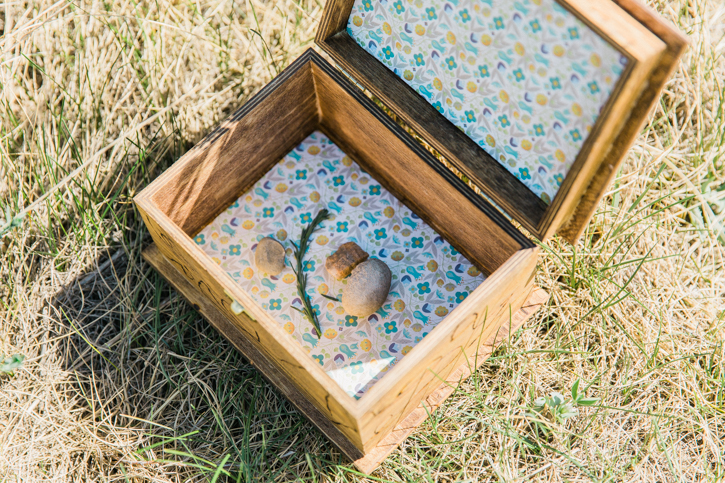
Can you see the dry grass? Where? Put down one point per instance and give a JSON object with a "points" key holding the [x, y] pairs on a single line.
{"points": [[123, 381]]}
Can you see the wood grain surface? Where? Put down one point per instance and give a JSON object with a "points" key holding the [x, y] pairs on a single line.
{"points": [[312, 95], [478, 317], [366, 462], [229, 160], [390, 443]]}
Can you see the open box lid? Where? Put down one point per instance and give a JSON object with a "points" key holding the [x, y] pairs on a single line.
{"points": [[535, 101]]}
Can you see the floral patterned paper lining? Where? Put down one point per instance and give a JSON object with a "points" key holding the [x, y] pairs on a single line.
{"points": [[430, 278], [524, 79]]}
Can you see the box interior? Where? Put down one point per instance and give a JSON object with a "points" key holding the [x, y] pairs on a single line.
{"points": [[310, 97], [429, 277]]}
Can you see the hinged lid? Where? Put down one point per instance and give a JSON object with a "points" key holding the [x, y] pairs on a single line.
{"points": [[535, 101]]}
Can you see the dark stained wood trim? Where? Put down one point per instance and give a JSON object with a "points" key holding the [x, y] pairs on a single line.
{"points": [[480, 202], [419, 150], [334, 19]]}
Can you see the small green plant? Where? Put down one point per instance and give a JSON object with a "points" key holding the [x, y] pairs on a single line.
{"points": [[300, 251], [554, 408], [9, 221], [9, 364]]}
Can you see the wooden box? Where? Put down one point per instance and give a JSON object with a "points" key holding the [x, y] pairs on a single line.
{"points": [[311, 96]]}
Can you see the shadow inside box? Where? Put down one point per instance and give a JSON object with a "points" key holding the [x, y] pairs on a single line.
{"points": [[144, 359]]}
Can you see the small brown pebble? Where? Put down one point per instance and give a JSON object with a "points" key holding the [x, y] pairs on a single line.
{"points": [[269, 256], [348, 256], [367, 288]]}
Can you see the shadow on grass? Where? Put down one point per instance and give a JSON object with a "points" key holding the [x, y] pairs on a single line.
{"points": [[145, 359], [147, 363]]}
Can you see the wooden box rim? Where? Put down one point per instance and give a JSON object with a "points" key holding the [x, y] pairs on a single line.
{"points": [[526, 254], [594, 170]]}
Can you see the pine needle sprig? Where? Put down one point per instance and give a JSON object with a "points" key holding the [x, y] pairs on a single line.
{"points": [[300, 251]]}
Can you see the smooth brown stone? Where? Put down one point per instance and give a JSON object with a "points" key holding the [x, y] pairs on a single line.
{"points": [[269, 256], [341, 263], [367, 288]]}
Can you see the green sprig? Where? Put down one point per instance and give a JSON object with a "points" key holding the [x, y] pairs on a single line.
{"points": [[299, 271]]}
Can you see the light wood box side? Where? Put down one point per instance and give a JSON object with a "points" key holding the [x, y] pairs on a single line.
{"points": [[676, 43], [260, 328], [228, 161], [456, 337], [643, 50]]}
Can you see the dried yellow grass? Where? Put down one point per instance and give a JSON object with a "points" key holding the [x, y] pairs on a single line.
{"points": [[123, 381]]}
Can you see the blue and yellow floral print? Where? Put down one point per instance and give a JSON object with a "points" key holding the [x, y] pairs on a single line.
{"points": [[429, 276], [524, 79]]}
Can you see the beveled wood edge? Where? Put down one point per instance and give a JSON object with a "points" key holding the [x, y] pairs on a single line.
{"points": [[612, 119], [509, 271], [374, 458], [539, 223], [364, 462], [676, 42], [301, 62]]}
